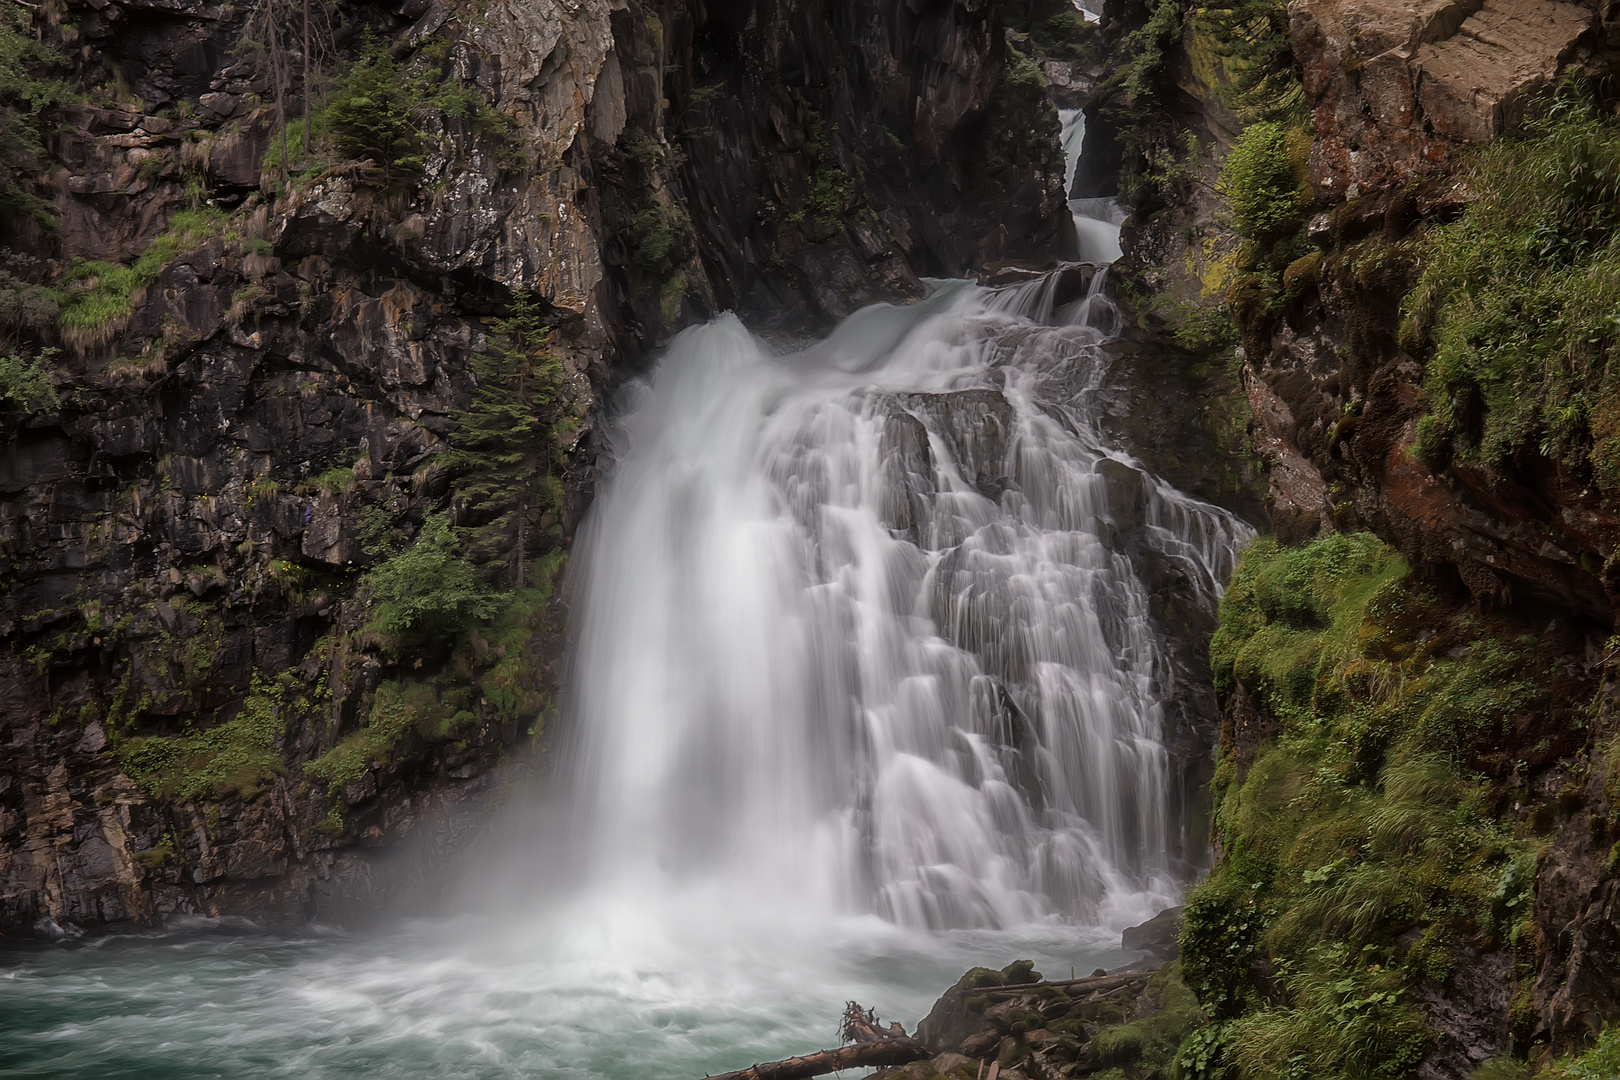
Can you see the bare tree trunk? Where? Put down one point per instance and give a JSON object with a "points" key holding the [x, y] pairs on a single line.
{"points": [[307, 80], [874, 1045], [278, 63]]}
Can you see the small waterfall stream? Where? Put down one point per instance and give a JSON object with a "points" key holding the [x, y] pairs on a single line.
{"points": [[1096, 221]]}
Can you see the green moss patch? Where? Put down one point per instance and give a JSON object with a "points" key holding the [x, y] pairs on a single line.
{"points": [[1355, 813], [100, 296], [238, 757]]}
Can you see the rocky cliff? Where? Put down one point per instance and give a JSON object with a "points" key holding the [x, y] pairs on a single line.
{"points": [[267, 361], [1401, 215]]}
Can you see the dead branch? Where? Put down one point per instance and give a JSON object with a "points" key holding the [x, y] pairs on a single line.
{"points": [[871, 1046]]}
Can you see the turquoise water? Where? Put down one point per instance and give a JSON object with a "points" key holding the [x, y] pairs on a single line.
{"points": [[465, 999]]}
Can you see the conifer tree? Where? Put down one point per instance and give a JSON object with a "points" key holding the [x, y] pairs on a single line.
{"points": [[374, 115], [503, 444]]}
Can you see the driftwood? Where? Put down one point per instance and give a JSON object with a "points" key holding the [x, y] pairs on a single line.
{"points": [[1073, 986], [869, 1045]]}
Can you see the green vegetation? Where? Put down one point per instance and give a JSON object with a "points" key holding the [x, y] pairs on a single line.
{"points": [[238, 757], [1152, 1043], [381, 109], [505, 445], [1359, 844], [1018, 125], [99, 296], [1056, 29], [1265, 182], [334, 481], [1600, 1062], [430, 592], [25, 385], [24, 98], [398, 711], [823, 205], [1254, 41], [653, 228], [491, 666], [1519, 301], [376, 115]]}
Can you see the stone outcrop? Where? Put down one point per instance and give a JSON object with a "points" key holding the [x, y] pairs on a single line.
{"points": [[1395, 86]]}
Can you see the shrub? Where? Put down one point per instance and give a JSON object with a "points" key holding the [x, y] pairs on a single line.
{"points": [[1266, 183], [25, 385], [428, 592]]}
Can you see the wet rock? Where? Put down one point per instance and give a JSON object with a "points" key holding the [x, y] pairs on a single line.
{"points": [[959, 1015], [1159, 935]]}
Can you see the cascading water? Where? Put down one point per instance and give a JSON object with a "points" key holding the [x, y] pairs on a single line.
{"points": [[851, 620], [865, 692]]}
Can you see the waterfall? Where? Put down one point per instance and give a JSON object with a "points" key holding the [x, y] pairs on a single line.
{"points": [[1096, 221], [855, 629]]}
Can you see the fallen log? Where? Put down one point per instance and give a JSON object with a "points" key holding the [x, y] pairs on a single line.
{"points": [[871, 1046], [1072, 986]]}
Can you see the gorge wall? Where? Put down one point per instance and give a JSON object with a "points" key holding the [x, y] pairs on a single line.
{"points": [[223, 692]]}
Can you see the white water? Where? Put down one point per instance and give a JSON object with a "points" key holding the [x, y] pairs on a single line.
{"points": [[853, 638], [1096, 221], [863, 695]]}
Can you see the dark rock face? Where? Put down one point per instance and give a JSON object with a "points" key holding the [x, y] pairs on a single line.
{"points": [[198, 510], [1334, 397], [1158, 935], [1395, 87], [795, 162]]}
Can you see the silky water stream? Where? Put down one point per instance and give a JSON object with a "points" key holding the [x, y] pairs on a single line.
{"points": [[864, 693]]}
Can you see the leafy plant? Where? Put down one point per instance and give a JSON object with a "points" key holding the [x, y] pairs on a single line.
{"points": [[26, 385], [1266, 184]]}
